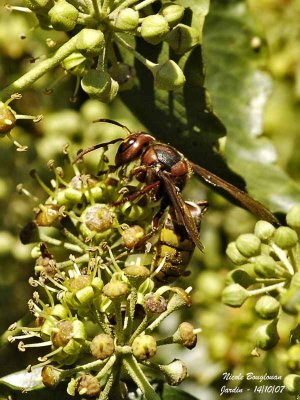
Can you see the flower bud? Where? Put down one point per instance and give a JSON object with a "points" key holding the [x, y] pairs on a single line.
{"points": [[285, 237], [290, 300], [115, 289], [293, 217], [234, 254], [154, 28], [267, 307], [265, 266], [266, 335], [292, 384], [241, 277], [37, 5], [264, 230], [248, 244], [182, 38], [51, 376], [102, 346], [172, 13], [88, 385], [168, 76], [175, 372], [155, 303], [75, 63], [127, 19], [99, 85], [124, 74], [293, 361], [144, 347], [7, 119], [234, 295], [90, 41], [185, 335], [63, 16], [132, 236]]}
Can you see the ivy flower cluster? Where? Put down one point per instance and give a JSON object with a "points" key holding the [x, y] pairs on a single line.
{"points": [[268, 268], [97, 304]]}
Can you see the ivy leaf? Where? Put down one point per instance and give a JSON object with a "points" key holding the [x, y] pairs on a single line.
{"points": [[171, 393], [238, 91], [24, 380]]}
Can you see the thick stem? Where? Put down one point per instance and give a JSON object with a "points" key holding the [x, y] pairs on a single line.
{"points": [[139, 378], [40, 69]]}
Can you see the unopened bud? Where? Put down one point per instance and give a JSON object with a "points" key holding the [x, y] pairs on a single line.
{"points": [[99, 85], [172, 13], [267, 307], [266, 335], [154, 28], [63, 16], [127, 19], [293, 357], [124, 74], [90, 41], [235, 255], [168, 76], [248, 244], [182, 38], [234, 295], [264, 230], [292, 384], [285, 237], [185, 335], [265, 266], [293, 217]]}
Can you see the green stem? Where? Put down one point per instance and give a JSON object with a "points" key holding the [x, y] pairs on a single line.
{"points": [[40, 69], [119, 321], [149, 64], [266, 289], [125, 4], [96, 9], [69, 263], [139, 329], [282, 256], [18, 325], [143, 4], [130, 312], [139, 378]]}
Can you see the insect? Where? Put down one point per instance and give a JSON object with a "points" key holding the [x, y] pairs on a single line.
{"points": [[174, 247], [164, 170]]}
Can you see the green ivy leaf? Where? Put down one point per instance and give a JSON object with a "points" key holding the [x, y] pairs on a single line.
{"points": [[24, 380], [239, 91], [171, 393]]}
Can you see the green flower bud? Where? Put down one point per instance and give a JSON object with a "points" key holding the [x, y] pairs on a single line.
{"points": [[266, 335], [75, 63], [37, 5], [267, 307], [265, 266], [99, 85], [7, 119], [144, 347], [235, 256], [172, 13], [154, 28], [293, 354], [102, 346], [293, 217], [63, 16], [182, 38], [185, 335], [51, 376], [292, 384], [132, 236], [175, 372], [234, 295], [124, 74], [168, 76], [73, 195], [127, 19], [264, 230], [290, 300], [155, 303], [88, 385], [248, 244], [115, 289], [241, 277], [285, 237], [90, 41]]}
